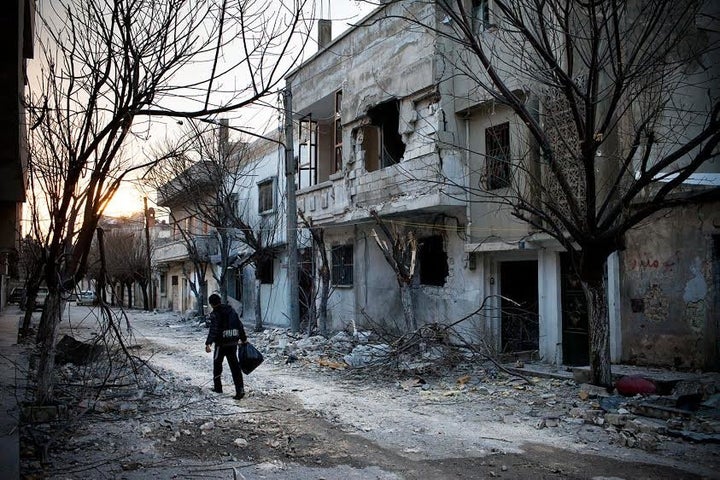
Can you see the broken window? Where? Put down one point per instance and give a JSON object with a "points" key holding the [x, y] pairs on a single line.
{"points": [[264, 271], [320, 141], [163, 284], [342, 265], [266, 196], [382, 142], [497, 156], [432, 261]]}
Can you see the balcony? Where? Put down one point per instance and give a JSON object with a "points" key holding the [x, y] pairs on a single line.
{"points": [[414, 185], [177, 250], [189, 184]]}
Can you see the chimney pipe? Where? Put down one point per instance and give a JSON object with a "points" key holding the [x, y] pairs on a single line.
{"points": [[324, 33]]}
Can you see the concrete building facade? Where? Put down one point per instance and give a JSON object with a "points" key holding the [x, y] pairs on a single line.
{"points": [[386, 125]]}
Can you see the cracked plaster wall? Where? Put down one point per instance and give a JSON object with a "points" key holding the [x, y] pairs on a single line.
{"points": [[669, 289]]}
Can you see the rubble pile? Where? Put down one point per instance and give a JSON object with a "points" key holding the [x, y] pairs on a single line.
{"points": [[691, 411]]}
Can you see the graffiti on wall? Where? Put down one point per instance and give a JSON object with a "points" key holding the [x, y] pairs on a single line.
{"points": [[650, 263]]}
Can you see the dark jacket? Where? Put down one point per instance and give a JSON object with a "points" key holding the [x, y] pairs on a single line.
{"points": [[225, 326]]}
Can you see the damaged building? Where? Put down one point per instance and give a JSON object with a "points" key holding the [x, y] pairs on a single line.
{"points": [[385, 124]]}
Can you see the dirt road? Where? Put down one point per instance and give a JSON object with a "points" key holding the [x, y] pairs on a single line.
{"points": [[300, 421]]}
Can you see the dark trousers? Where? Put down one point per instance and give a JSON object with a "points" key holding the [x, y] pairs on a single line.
{"points": [[229, 352]]}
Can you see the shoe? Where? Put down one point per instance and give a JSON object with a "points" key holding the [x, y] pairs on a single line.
{"points": [[217, 390], [239, 396]]}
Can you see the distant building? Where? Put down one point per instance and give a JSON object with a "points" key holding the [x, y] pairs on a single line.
{"points": [[16, 36]]}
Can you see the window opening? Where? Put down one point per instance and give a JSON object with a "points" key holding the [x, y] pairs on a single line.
{"points": [[264, 271], [382, 141], [432, 261], [497, 156], [337, 166], [308, 151], [480, 16], [163, 284], [342, 265], [266, 199]]}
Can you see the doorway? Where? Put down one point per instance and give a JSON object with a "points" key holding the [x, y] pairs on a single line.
{"points": [[575, 337], [520, 329]]}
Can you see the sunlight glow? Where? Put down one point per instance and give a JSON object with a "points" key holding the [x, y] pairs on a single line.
{"points": [[126, 201]]}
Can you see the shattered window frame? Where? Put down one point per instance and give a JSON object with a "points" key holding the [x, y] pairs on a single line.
{"points": [[432, 261], [384, 130]]}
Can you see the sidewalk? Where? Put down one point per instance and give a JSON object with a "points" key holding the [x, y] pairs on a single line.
{"points": [[12, 383]]}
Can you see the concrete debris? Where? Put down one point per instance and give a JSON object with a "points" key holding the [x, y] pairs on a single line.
{"points": [[638, 421], [365, 355], [588, 391]]}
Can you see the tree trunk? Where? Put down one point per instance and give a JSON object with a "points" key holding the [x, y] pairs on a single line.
{"points": [[146, 297], [130, 295], [258, 308], [407, 306], [201, 296], [28, 303], [46, 364], [324, 296], [594, 281]]}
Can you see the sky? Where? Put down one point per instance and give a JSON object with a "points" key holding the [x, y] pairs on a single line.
{"points": [[129, 197]]}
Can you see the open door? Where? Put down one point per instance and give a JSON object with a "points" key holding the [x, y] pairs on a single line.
{"points": [[520, 319]]}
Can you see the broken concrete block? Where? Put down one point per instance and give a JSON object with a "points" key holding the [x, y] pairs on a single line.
{"points": [[615, 419], [364, 355], [592, 391]]}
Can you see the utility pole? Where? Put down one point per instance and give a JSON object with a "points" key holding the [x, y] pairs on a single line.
{"points": [[151, 292], [291, 221]]}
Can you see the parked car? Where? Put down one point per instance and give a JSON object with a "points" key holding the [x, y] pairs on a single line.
{"points": [[87, 297], [16, 295], [39, 299]]}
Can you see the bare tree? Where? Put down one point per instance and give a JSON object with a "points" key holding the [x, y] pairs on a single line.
{"points": [[204, 175], [323, 270], [126, 263], [620, 104], [399, 247], [32, 263], [104, 65]]}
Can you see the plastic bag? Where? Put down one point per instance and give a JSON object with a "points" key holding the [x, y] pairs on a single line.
{"points": [[249, 357]]}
